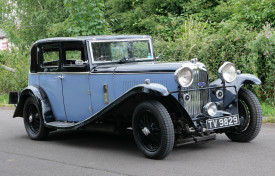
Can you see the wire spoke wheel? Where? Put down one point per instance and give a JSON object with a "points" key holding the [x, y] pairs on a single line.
{"points": [[250, 113], [149, 131], [33, 120], [153, 129]]}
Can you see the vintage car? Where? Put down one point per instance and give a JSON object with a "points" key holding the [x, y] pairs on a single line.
{"points": [[115, 82]]}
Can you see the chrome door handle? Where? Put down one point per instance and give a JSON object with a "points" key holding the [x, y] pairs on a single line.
{"points": [[60, 77]]}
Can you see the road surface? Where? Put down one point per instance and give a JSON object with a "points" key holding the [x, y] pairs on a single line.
{"points": [[88, 153]]}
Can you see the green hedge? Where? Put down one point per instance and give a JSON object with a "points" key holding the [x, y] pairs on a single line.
{"points": [[251, 51]]}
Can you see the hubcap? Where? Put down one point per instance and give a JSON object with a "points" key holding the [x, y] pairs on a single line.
{"points": [[145, 131], [30, 119], [148, 131], [33, 119]]}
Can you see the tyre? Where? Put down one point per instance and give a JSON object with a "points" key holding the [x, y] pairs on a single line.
{"points": [[250, 113], [153, 129], [33, 120]]}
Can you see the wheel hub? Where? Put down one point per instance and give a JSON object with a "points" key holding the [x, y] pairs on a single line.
{"points": [[145, 131], [30, 118]]}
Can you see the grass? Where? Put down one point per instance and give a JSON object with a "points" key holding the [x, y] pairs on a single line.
{"points": [[4, 100], [268, 113], [268, 110]]}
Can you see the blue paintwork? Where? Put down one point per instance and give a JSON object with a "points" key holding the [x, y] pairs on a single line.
{"points": [[53, 88], [33, 79], [123, 83], [97, 95], [118, 84], [77, 100]]}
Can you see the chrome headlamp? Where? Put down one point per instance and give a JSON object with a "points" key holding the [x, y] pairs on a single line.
{"points": [[210, 109], [184, 76], [227, 72]]}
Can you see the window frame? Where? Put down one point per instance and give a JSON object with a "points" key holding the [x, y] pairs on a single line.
{"points": [[43, 68], [74, 68]]}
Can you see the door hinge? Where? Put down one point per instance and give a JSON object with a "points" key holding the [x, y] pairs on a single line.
{"points": [[89, 92]]}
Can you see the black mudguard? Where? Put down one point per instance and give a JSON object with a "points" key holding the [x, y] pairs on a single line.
{"points": [[230, 100], [41, 98], [156, 90]]}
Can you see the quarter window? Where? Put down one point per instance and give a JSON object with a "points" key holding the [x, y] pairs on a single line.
{"points": [[74, 58], [50, 58]]}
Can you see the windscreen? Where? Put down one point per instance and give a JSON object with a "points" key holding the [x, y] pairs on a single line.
{"points": [[117, 51]]}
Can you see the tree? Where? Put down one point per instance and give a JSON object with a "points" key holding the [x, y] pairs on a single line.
{"points": [[86, 17], [30, 20]]}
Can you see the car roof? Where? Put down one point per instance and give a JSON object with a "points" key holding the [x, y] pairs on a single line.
{"points": [[86, 38]]}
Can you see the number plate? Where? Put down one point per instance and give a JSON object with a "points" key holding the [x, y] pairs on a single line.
{"points": [[222, 122]]}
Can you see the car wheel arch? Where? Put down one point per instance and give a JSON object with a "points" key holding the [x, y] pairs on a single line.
{"points": [[41, 99]]}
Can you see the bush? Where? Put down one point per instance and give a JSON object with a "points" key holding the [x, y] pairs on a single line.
{"points": [[250, 51], [13, 81], [261, 52]]}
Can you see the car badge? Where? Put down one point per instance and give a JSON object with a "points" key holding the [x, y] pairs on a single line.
{"points": [[201, 84]]}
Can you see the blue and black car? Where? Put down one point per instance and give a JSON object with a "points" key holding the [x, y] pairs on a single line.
{"points": [[116, 82]]}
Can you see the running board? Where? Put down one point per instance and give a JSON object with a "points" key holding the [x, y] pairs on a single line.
{"points": [[60, 124], [196, 139]]}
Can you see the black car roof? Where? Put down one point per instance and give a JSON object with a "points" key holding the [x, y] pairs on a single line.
{"points": [[85, 38]]}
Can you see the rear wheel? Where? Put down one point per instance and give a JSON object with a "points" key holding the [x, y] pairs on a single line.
{"points": [[250, 113], [153, 129], [33, 120]]}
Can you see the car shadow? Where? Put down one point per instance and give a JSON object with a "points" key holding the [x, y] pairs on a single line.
{"points": [[94, 140], [123, 142]]}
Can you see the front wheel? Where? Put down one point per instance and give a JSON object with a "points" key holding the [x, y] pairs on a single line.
{"points": [[153, 129], [250, 113], [33, 120]]}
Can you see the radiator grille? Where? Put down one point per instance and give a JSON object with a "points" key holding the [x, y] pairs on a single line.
{"points": [[198, 97]]}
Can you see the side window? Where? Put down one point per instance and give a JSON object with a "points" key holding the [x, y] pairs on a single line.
{"points": [[74, 58], [50, 58]]}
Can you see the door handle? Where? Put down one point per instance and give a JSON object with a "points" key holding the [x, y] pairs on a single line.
{"points": [[60, 77]]}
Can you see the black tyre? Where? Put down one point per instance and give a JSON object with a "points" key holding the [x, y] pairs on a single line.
{"points": [[250, 113], [153, 129], [33, 120]]}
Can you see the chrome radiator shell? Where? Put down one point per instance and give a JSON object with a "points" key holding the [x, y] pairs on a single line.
{"points": [[198, 98]]}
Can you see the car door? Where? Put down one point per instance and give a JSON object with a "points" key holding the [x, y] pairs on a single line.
{"points": [[75, 82], [50, 78]]}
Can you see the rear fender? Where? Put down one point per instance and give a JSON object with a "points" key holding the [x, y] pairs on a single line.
{"points": [[41, 99]]}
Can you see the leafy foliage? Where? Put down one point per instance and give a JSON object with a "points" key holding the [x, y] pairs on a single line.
{"points": [[29, 20], [86, 17], [13, 81]]}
